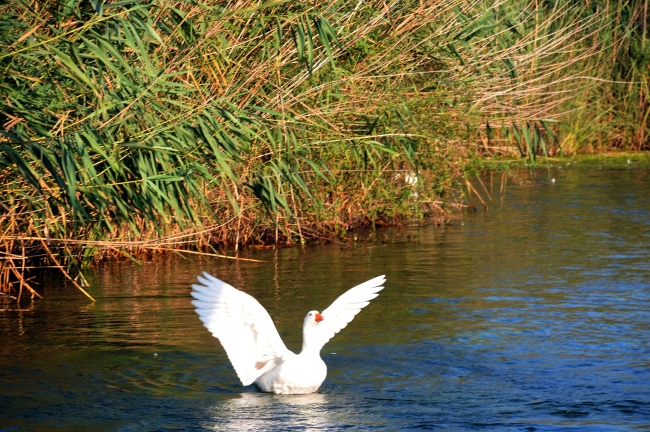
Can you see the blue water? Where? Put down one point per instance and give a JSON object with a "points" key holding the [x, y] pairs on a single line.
{"points": [[534, 315]]}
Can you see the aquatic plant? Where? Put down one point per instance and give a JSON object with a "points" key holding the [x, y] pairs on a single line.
{"points": [[133, 127]]}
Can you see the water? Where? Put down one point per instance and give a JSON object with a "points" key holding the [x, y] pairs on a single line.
{"points": [[532, 316]]}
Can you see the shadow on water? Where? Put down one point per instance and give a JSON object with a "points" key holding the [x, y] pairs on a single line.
{"points": [[531, 316]]}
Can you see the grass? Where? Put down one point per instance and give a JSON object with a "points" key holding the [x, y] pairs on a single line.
{"points": [[132, 128]]}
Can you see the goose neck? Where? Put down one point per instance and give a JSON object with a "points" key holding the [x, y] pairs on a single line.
{"points": [[309, 344]]}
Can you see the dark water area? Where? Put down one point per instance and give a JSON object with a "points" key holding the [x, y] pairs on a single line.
{"points": [[532, 316]]}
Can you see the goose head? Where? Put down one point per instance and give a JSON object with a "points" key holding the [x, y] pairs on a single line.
{"points": [[312, 319]]}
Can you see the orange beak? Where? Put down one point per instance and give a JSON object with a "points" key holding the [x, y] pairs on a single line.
{"points": [[319, 317]]}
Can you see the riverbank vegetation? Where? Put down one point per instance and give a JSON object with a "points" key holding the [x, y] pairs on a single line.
{"points": [[132, 127]]}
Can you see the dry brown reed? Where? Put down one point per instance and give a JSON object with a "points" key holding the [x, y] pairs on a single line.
{"points": [[133, 129]]}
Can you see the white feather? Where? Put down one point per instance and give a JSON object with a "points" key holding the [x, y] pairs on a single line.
{"points": [[253, 344], [241, 324], [346, 307]]}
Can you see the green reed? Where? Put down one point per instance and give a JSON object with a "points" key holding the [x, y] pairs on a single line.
{"points": [[132, 128]]}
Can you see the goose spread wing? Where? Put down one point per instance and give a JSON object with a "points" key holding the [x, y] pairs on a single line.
{"points": [[241, 324], [344, 308]]}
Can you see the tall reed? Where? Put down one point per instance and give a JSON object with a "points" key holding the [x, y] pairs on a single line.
{"points": [[132, 127], [559, 77]]}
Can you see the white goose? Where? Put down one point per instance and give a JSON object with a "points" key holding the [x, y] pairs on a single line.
{"points": [[254, 346]]}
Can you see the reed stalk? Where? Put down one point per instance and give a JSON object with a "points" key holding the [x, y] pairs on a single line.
{"points": [[131, 128]]}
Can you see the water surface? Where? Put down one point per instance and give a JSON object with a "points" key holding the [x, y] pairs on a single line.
{"points": [[534, 315]]}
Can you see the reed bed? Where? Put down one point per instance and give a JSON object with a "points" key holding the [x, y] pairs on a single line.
{"points": [[132, 128]]}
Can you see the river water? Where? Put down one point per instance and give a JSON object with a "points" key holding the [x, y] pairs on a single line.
{"points": [[534, 315]]}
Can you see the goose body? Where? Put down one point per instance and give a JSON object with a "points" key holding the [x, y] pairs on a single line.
{"points": [[253, 344]]}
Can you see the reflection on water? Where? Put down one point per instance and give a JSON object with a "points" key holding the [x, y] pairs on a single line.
{"points": [[256, 411], [532, 316]]}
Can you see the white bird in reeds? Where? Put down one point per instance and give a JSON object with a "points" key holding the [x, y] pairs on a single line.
{"points": [[253, 344], [411, 178]]}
